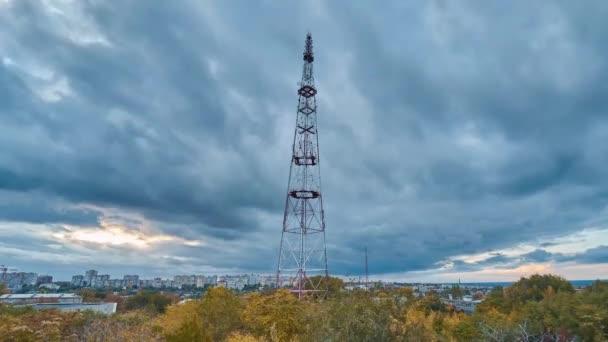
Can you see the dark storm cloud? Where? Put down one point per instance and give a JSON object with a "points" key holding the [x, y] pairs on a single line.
{"points": [[141, 163], [593, 256], [445, 128]]}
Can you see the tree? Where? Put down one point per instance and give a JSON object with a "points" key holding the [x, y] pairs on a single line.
{"points": [[359, 317], [404, 293], [212, 318], [119, 300], [431, 303], [3, 289], [222, 311], [240, 337], [456, 292], [130, 326], [495, 300], [88, 295], [535, 287], [183, 322], [333, 285], [277, 316], [592, 312], [153, 302]]}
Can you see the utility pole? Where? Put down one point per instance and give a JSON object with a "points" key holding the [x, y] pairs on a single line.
{"points": [[302, 252], [366, 271]]}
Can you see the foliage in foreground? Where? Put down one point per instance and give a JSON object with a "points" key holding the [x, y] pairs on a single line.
{"points": [[539, 308]]}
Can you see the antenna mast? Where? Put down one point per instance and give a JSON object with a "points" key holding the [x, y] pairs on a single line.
{"points": [[302, 253], [366, 271]]}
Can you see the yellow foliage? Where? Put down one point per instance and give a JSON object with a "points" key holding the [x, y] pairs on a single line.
{"points": [[182, 322], [277, 316], [209, 319], [242, 337], [3, 289]]}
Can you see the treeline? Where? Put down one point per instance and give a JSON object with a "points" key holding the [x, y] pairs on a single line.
{"points": [[539, 308]]}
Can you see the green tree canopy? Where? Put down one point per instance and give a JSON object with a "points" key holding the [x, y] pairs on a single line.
{"points": [[153, 302]]}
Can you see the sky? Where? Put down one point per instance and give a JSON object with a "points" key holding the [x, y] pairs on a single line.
{"points": [[458, 139]]}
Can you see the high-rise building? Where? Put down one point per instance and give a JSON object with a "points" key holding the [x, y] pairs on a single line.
{"points": [[131, 280], [17, 280], [88, 277], [211, 280], [200, 281], [77, 280], [44, 279], [117, 283], [101, 280]]}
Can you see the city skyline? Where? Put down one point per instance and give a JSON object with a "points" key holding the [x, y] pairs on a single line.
{"points": [[459, 140]]}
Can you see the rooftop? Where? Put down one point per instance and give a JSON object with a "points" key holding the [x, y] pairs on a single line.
{"points": [[39, 295]]}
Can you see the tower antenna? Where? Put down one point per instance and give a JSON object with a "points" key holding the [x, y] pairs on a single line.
{"points": [[302, 265], [366, 271]]}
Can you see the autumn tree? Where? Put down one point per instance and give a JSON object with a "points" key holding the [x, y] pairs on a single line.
{"points": [[592, 312], [212, 318], [278, 316], [243, 337], [535, 287], [130, 326], [153, 302], [3, 289], [332, 285], [541, 307], [456, 291], [356, 317], [88, 295]]}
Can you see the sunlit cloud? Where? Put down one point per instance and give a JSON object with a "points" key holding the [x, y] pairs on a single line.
{"points": [[570, 244], [117, 228], [574, 243], [116, 236]]}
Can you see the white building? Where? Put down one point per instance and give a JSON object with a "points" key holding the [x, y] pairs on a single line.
{"points": [[104, 308], [33, 298]]}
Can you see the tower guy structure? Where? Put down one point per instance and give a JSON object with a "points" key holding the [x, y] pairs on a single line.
{"points": [[302, 253]]}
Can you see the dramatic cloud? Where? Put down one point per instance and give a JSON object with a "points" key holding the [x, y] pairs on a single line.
{"points": [[458, 140]]}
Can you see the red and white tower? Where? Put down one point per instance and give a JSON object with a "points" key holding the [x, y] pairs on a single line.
{"points": [[303, 258]]}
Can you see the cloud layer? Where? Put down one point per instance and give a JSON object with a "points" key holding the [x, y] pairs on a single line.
{"points": [[448, 131]]}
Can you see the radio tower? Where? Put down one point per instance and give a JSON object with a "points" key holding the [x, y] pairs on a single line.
{"points": [[302, 254], [366, 273]]}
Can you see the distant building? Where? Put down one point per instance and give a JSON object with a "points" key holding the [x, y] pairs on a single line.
{"points": [[102, 280], [22, 299], [44, 279], [168, 283], [117, 283], [104, 308], [77, 280], [131, 280], [211, 280], [17, 280], [49, 286], [200, 281], [181, 280], [88, 277]]}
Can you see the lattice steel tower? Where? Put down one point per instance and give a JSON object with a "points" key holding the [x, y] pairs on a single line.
{"points": [[302, 254]]}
